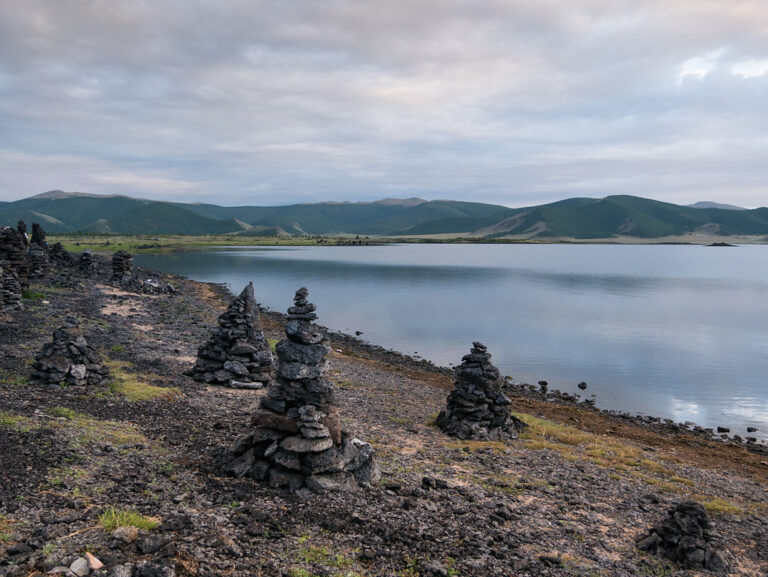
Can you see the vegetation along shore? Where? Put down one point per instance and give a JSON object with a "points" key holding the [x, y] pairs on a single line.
{"points": [[125, 469]]}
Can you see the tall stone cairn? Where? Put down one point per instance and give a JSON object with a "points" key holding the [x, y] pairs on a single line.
{"points": [[122, 268], [10, 288], [13, 250], [237, 354], [69, 359], [477, 408], [39, 261], [685, 536], [297, 441]]}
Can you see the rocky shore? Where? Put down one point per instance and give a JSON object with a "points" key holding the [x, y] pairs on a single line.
{"points": [[127, 476]]}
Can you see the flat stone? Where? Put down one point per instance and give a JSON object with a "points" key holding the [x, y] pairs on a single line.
{"points": [[272, 420], [287, 460], [302, 445], [318, 432], [236, 367], [242, 348], [126, 534]]}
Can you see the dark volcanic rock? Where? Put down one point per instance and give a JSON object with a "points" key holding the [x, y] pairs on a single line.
{"points": [[685, 536], [122, 268], [477, 408], [297, 439], [69, 359], [237, 354], [13, 250], [10, 288]]}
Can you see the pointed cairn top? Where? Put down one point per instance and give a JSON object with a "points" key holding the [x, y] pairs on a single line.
{"points": [[302, 309]]}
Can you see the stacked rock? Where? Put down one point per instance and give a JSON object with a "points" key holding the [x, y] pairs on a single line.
{"points": [[69, 359], [10, 288], [59, 255], [237, 354], [297, 439], [685, 537], [38, 236], [39, 261], [477, 408], [13, 250], [87, 264], [122, 268], [21, 228]]}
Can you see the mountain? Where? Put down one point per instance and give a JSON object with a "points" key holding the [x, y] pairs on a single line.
{"points": [[580, 218], [709, 204]]}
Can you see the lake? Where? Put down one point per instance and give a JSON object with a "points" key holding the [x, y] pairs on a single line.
{"points": [[679, 332]]}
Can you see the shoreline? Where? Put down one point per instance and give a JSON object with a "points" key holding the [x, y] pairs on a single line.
{"points": [[571, 496]]}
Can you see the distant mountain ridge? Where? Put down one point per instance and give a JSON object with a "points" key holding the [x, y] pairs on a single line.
{"points": [[579, 218]]}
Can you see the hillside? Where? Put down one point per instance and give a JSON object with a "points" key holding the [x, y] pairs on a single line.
{"points": [[577, 218]]}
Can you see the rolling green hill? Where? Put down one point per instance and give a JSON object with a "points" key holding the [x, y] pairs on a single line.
{"points": [[580, 218]]}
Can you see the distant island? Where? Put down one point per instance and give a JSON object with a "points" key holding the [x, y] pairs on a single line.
{"points": [[613, 218]]}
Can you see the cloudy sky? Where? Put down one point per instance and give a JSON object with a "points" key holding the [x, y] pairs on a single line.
{"points": [[513, 102]]}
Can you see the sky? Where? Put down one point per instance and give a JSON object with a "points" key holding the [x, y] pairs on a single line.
{"points": [[513, 102]]}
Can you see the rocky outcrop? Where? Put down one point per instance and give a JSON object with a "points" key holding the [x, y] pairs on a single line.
{"points": [[297, 441], [477, 408], [685, 536], [237, 354], [69, 360]]}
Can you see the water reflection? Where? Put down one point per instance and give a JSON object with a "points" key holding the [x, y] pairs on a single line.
{"points": [[671, 331]]}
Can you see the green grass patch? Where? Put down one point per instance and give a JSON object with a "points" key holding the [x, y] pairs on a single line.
{"points": [[10, 378], [33, 296], [112, 518], [718, 505], [9, 419], [272, 344], [133, 388], [6, 528]]}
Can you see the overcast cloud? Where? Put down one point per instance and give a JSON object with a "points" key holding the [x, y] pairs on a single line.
{"points": [[513, 102]]}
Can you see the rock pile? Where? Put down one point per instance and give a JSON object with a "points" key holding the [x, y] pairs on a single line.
{"points": [[685, 536], [13, 250], [38, 236], [237, 354], [10, 288], [87, 264], [68, 359], [477, 408], [59, 255], [39, 261], [297, 441], [122, 268]]}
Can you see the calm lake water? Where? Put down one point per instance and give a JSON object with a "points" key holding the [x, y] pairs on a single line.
{"points": [[673, 331]]}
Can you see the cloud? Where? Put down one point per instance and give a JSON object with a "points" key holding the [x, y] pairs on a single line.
{"points": [[272, 102]]}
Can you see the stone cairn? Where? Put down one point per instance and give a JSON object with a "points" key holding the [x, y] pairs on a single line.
{"points": [[87, 263], [477, 408], [685, 536], [10, 288], [39, 261], [237, 354], [59, 255], [297, 439], [13, 250], [122, 268], [68, 359]]}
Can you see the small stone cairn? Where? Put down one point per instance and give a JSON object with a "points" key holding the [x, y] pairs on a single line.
{"points": [[69, 359], [297, 441], [87, 263], [477, 408], [10, 288], [122, 268], [59, 255], [685, 536], [237, 354]]}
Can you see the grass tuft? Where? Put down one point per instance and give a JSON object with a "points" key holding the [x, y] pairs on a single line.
{"points": [[112, 518], [95, 430]]}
